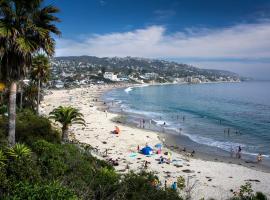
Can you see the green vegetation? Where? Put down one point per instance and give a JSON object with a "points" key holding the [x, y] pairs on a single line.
{"points": [[246, 193], [67, 116], [40, 72], [25, 29], [40, 167]]}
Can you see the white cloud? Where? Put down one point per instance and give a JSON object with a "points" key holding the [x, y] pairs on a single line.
{"points": [[241, 41]]}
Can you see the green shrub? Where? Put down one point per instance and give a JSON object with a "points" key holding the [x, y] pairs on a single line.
{"points": [[3, 158], [3, 109], [23, 169], [3, 131], [260, 196], [246, 193], [18, 151], [31, 127], [51, 158], [54, 190], [138, 186]]}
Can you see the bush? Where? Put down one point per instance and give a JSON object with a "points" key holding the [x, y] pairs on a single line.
{"points": [[23, 169], [138, 186], [51, 159], [3, 109], [31, 127], [54, 190], [246, 193]]}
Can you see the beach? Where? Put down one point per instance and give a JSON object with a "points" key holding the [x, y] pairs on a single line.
{"points": [[211, 179]]}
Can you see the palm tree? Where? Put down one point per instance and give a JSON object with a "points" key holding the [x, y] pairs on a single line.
{"points": [[40, 72], [67, 116], [30, 96], [25, 29]]}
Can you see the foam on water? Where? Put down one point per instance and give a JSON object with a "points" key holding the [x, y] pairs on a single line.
{"points": [[127, 90]]}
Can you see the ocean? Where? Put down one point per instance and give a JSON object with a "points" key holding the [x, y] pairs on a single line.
{"points": [[215, 118]]}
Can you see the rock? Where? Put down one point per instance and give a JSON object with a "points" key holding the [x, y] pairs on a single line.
{"points": [[253, 180], [187, 171]]}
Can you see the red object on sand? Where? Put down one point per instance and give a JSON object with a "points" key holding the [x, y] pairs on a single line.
{"points": [[117, 130]]}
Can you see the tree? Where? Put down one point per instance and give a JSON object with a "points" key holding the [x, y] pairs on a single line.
{"points": [[25, 29], [30, 96], [67, 116], [40, 72]]}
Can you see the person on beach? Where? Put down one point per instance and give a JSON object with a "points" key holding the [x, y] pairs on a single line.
{"points": [[143, 122], [174, 186], [239, 149], [138, 148], [259, 158], [239, 152], [180, 130], [161, 160], [117, 130], [231, 152], [145, 165]]}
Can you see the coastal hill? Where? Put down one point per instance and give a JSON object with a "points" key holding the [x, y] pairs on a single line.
{"points": [[86, 67]]}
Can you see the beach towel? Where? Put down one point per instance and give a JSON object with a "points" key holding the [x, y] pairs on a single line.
{"points": [[133, 155]]}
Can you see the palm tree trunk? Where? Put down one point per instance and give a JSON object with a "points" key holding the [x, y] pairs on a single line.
{"points": [[65, 133], [21, 96], [38, 97], [12, 113]]}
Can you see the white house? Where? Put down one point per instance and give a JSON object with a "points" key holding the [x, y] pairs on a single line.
{"points": [[111, 76], [59, 84], [151, 75]]}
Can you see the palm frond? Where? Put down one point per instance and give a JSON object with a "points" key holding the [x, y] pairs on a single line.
{"points": [[18, 151]]}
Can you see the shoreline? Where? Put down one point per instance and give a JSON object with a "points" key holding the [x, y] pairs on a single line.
{"points": [[202, 150], [169, 141], [217, 186]]}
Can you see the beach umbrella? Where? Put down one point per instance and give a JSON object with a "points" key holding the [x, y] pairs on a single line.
{"points": [[159, 145], [147, 150]]}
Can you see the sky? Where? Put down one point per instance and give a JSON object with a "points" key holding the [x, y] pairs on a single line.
{"points": [[231, 35]]}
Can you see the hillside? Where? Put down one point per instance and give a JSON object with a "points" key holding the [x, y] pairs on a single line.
{"points": [[127, 65]]}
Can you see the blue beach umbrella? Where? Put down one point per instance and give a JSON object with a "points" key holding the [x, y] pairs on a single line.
{"points": [[147, 150], [159, 145]]}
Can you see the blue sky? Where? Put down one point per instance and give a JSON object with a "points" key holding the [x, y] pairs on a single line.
{"points": [[230, 34]]}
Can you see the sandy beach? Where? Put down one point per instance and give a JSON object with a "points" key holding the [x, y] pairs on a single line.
{"points": [[212, 179]]}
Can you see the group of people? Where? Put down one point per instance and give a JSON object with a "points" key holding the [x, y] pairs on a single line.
{"points": [[238, 152], [259, 157]]}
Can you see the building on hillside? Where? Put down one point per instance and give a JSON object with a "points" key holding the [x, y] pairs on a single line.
{"points": [[111, 76], [59, 84], [189, 79], [151, 75]]}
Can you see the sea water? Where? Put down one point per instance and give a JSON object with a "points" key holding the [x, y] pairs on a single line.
{"points": [[220, 116]]}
